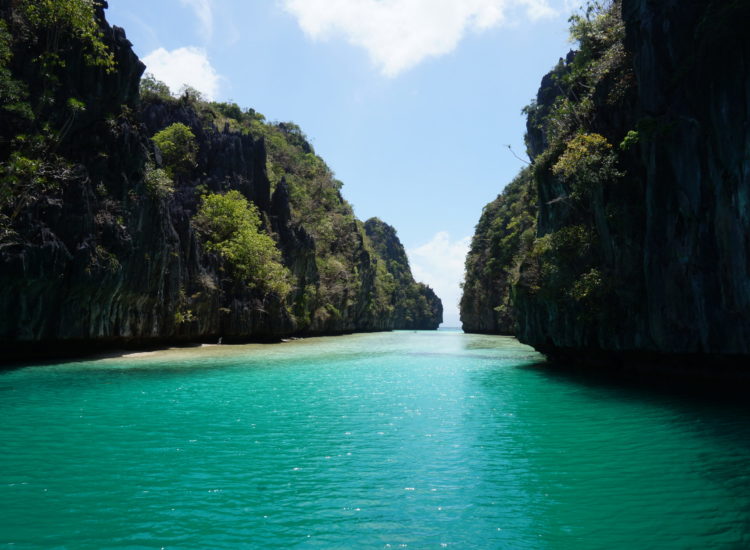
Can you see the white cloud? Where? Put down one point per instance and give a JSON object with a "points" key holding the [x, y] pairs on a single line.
{"points": [[440, 264], [204, 12], [399, 34], [184, 66]]}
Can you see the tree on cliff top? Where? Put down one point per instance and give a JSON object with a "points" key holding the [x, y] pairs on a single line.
{"points": [[38, 39], [50, 18]]}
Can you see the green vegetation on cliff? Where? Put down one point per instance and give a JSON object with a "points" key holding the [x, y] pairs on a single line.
{"points": [[414, 305], [38, 106], [178, 148], [128, 214], [50, 18], [583, 264], [230, 227], [639, 188], [504, 234], [579, 248], [351, 270]]}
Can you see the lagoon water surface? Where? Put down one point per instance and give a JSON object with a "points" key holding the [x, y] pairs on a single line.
{"points": [[393, 440]]}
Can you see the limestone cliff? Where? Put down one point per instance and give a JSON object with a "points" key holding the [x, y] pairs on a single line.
{"points": [[415, 304], [640, 142], [506, 227], [98, 241]]}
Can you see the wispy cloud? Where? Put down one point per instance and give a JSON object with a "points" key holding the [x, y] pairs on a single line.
{"points": [[399, 34], [204, 12], [440, 264], [184, 66]]}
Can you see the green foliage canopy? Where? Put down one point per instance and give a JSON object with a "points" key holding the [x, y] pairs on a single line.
{"points": [[230, 226], [153, 89], [36, 114], [158, 182], [341, 269], [178, 148], [587, 162], [50, 18]]}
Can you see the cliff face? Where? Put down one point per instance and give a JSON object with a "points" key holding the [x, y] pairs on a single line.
{"points": [[692, 65], [640, 149], [98, 240], [506, 227], [415, 304]]}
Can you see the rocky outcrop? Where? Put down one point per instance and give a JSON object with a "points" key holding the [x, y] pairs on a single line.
{"points": [[92, 255], [692, 65], [415, 304], [639, 143], [506, 227]]}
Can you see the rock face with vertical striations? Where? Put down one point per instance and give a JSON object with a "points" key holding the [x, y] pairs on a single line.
{"points": [[98, 238], [640, 142], [415, 304], [506, 226]]}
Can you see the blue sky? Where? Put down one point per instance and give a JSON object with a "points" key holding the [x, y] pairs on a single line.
{"points": [[410, 102]]}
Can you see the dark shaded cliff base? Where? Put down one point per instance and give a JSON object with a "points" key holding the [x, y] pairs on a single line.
{"points": [[471, 330], [691, 373], [676, 390]]}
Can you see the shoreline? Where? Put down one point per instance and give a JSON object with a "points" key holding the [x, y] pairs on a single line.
{"points": [[26, 354]]}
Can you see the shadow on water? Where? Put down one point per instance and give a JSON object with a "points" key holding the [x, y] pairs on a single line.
{"points": [[692, 390], [665, 458], [718, 411]]}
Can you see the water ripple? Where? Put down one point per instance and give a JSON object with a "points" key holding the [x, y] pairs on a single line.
{"points": [[418, 440]]}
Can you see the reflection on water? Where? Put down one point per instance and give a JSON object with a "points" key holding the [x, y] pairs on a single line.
{"points": [[422, 439]]}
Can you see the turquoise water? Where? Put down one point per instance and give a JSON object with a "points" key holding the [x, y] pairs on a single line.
{"points": [[395, 440]]}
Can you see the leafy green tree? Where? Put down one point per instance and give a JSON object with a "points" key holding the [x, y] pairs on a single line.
{"points": [[13, 92], [230, 226], [151, 89], [51, 18], [178, 148], [37, 37], [230, 110], [587, 163], [158, 182], [192, 96]]}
